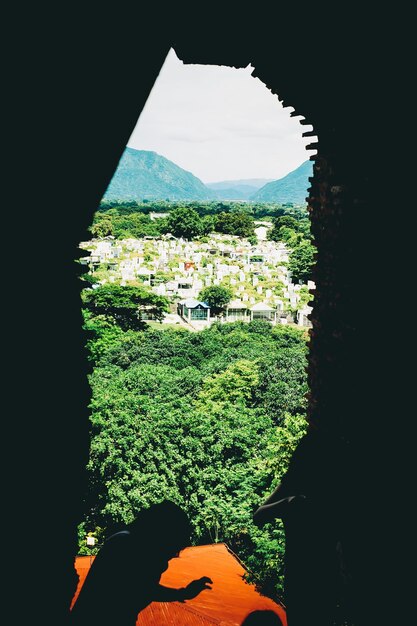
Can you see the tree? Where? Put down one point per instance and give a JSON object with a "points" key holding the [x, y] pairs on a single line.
{"points": [[208, 224], [283, 382], [234, 385], [102, 334], [134, 225], [89, 279], [101, 226], [301, 261], [217, 297], [285, 227], [183, 222], [240, 224], [124, 304]]}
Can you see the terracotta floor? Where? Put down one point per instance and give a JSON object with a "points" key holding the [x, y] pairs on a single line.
{"points": [[229, 601]]}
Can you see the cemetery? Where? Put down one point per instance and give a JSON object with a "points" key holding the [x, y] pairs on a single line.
{"points": [[179, 269]]}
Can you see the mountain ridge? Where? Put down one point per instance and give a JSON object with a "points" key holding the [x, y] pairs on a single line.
{"points": [[290, 188], [147, 175]]}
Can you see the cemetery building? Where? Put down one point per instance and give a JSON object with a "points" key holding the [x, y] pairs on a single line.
{"points": [[192, 310]]}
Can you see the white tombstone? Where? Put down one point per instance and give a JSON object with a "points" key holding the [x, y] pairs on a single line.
{"points": [[216, 281], [259, 289], [245, 297], [268, 293], [255, 281], [252, 300], [208, 282], [242, 276], [232, 281]]}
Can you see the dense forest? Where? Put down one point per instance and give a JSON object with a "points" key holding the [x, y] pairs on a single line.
{"points": [[256, 210], [208, 419]]}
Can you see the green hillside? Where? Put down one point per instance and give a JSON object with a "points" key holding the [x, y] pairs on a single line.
{"points": [[145, 175], [291, 188]]}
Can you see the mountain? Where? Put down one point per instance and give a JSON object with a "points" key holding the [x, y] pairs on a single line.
{"points": [[142, 174], [237, 189], [291, 188]]}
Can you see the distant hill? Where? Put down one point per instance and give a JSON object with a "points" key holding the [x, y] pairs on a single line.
{"points": [[291, 188], [145, 175], [237, 189]]}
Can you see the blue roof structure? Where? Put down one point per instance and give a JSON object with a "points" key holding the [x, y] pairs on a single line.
{"points": [[191, 303]]}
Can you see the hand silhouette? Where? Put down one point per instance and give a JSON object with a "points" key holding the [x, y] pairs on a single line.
{"points": [[281, 509], [195, 587]]}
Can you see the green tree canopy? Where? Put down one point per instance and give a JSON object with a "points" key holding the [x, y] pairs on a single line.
{"points": [[184, 222], [102, 225], [200, 418], [287, 227], [124, 304], [233, 223], [217, 297], [234, 385], [301, 261], [124, 224]]}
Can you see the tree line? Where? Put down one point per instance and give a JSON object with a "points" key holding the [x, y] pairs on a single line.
{"points": [[203, 207], [290, 224]]}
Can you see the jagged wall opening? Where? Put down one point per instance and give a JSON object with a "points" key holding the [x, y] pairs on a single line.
{"points": [[334, 78], [293, 124]]}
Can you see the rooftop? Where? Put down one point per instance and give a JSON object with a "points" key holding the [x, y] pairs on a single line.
{"points": [[190, 303], [237, 304], [261, 306]]}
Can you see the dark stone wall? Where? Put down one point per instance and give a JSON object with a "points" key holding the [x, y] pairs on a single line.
{"points": [[75, 89]]}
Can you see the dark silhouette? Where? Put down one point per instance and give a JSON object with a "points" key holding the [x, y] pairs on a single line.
{"points": [[315, 519], [262, 618], [124, 577]]}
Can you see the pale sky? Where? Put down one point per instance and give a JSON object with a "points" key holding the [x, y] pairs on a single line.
{"points": [[219, 123]]}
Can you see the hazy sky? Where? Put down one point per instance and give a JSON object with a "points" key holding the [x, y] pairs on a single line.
{"points": [[219, 123]]}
